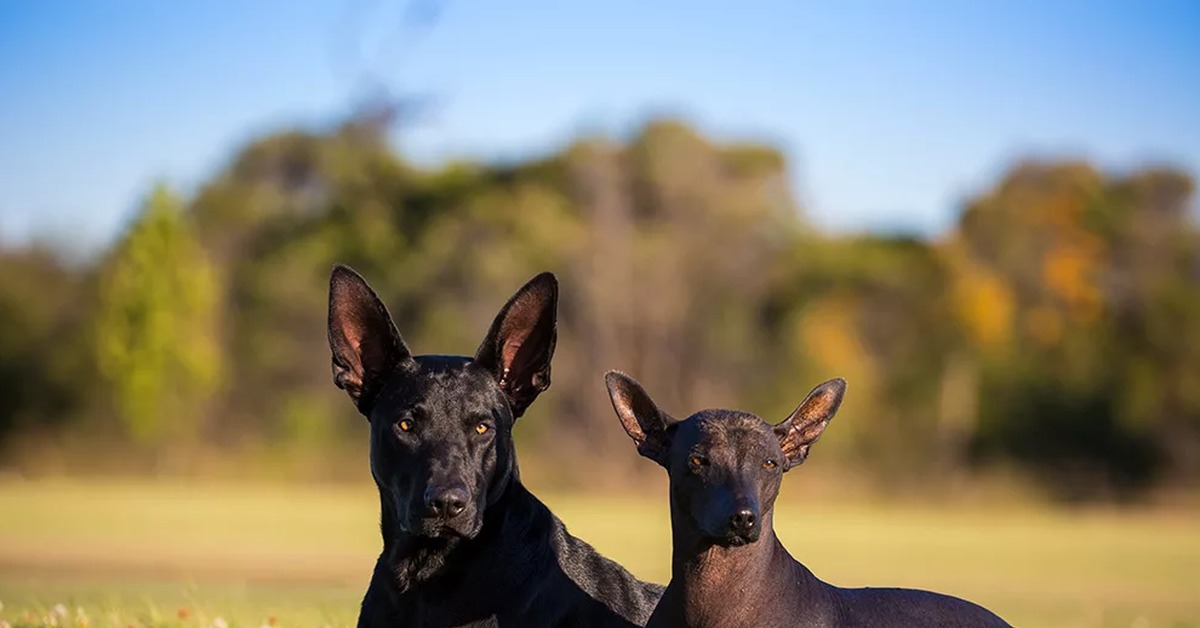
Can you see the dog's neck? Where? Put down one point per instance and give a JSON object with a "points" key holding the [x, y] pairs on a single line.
{"points": [[701, 565], [719, 585]]}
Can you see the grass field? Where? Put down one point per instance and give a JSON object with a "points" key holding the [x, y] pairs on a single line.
{"points": [[141, 553]]}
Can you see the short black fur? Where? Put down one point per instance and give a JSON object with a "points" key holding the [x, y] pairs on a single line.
{"points": [[464, 543]]}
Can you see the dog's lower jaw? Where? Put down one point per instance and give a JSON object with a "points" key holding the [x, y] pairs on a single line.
{"points": [[417, 559], [729, 539], [737, 540], [439, 529], [415, 552]]}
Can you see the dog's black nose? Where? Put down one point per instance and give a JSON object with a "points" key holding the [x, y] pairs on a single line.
{"points": [[445, 503], [742, 521]]}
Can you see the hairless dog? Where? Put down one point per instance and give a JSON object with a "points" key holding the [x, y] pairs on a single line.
{"points": [[727, 567]]}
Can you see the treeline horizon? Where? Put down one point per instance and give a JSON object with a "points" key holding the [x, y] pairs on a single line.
{"points": [[1053, 331]]}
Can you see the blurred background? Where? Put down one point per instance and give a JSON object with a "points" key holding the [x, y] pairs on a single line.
{"points": [[982, 215]]}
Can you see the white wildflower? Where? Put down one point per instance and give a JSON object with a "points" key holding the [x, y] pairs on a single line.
{"points": [[219, 623]]}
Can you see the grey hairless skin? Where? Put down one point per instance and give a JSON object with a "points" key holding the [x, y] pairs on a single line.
{"points": [[728, 569]]}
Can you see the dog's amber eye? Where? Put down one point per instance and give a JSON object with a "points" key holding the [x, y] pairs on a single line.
{"points": [[405, 425], [770, 464], [482, 428], [696, 461]]}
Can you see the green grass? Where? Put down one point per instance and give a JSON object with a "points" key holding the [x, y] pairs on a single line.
{"points": [[136, 553]]}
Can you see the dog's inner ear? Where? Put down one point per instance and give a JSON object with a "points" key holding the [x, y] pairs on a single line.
{"points": [[799, 431], [364, 342], [642, 419], [520, 344]]}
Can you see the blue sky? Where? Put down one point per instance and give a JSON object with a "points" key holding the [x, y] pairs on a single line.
{"points": [[891, 112]]}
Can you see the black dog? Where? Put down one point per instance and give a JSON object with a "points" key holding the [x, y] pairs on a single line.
{"points": [[727, 567], [464, 543]]}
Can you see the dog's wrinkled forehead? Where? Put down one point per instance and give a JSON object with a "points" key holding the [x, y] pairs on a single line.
{"points": [[451, 384], [730, 430]]}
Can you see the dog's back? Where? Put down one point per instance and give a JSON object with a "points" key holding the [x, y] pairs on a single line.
{"points": [[910, 607]]}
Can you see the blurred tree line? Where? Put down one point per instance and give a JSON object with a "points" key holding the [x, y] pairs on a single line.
{"points": [[1055, 330]]}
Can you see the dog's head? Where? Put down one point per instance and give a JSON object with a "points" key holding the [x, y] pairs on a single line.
{"points": [[441, 426], [725, 466]]}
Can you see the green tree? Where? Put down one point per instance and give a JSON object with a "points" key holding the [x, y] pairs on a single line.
{"points": [[156, 329], [44, 358]]}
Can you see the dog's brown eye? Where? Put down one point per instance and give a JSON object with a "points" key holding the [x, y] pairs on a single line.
{"points": [[405, 425], [696, 461], [482, 428], [770, 464]]}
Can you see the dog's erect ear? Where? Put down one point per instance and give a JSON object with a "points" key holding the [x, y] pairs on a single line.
{"points": [[520, 344], [642, 419], [800, 430], [365, 344]]}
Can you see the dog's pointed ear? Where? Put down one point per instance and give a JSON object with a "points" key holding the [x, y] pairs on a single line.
{"points": [[520, 344], [642, 419], [799, 431], [364, 342]]}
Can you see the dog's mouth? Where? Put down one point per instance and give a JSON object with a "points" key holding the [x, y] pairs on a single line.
{"points": [[463, 527], [437, 529], [723, 535], [730, 538], [740, 539]]}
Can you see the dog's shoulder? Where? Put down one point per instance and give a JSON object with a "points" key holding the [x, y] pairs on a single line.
{"points": [[601, 579]]}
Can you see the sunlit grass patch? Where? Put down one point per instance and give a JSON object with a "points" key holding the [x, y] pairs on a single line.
{"points": [[154, 554], [129, 602]]}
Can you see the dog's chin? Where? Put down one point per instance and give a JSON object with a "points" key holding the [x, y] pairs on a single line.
{"points": [[732, 539], [445, 530]]}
